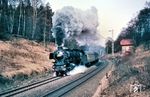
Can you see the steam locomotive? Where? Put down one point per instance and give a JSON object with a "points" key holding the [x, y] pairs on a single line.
{"points": [[67, 59]]}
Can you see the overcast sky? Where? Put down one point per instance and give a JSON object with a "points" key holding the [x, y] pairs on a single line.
{"points": [[113, 14]]}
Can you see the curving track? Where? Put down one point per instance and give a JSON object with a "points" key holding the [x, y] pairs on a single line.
{"points": [[28, 87], [60, 91], [55, 91]]}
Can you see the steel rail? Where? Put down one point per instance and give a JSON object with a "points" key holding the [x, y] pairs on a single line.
{"points": [[60, 91], [28, 87]]}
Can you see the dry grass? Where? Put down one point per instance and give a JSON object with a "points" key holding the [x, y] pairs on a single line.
{"points": [[131, 69], [22, 58]]}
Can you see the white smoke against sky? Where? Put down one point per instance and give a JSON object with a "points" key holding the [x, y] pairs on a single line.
{"points": [[75, 23]]}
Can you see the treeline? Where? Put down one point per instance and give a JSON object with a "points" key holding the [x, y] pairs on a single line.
{"points": [[30, 19], [138, 29]]}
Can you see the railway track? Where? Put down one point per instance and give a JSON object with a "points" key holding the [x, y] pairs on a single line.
{"points": [[60, 91], [28, 87], [57, 91]]}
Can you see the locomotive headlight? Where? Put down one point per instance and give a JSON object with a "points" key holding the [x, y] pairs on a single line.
{"points": [[59, 54]]}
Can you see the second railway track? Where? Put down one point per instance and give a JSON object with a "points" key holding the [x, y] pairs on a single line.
{"points": [[28, 87]]}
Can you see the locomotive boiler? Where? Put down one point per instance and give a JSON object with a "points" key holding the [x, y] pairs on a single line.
{"points": [[67, 59]]}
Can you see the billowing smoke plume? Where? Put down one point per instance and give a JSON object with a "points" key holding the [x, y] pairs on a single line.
{"points": [[71, 22]]}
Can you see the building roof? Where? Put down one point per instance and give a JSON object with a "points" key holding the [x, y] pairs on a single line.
{"points": [[126, 42]]}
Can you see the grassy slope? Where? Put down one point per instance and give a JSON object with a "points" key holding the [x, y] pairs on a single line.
{"points": [[23, 58], [135, 68]]}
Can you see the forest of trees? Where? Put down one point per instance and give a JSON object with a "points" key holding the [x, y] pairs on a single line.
{"points": [[138, 29], [29, 19]]}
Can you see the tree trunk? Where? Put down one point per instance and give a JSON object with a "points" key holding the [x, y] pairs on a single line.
{"points": [[19, 20], [49, 35], [12, 23], [34, 18], [0, 13], [24, 23], [44, 34], [34, 25]]}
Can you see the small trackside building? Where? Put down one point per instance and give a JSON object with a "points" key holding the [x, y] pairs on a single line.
{"points": [[127, 46]]}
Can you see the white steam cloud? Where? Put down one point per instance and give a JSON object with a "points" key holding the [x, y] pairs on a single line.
{"points": [[74, 23], [77, 70]]}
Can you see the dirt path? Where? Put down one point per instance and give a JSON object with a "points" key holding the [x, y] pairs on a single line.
{"points": [[104, 82]]}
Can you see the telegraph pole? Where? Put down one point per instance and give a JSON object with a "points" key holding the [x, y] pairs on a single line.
{"points": [[112, 31]]}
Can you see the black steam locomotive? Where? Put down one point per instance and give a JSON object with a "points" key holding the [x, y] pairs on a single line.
{"points": [[67, 59]]}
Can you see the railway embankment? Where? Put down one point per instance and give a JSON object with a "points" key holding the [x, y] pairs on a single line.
{"points": [[129, 78], [22, 59]]}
